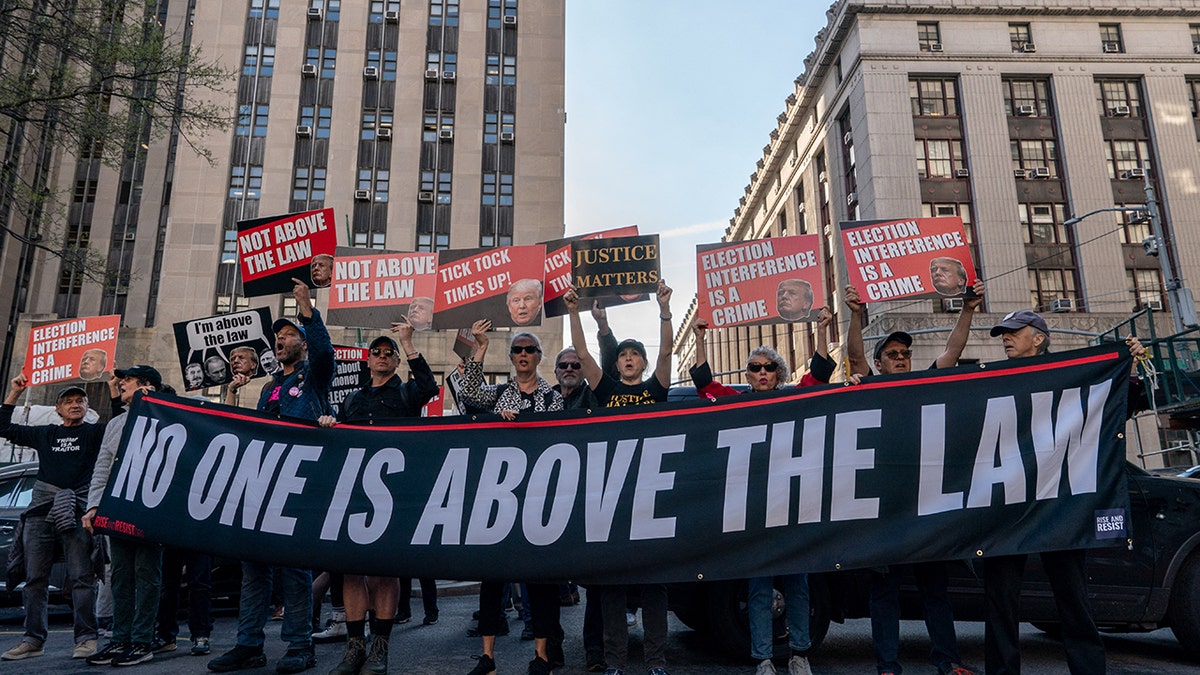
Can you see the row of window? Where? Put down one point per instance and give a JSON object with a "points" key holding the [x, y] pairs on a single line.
{"points": [[1020, 36]]}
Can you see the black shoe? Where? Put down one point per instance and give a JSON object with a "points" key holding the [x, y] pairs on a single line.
{"points": [[403, 618], [539, 666], [430, 619], [595, 662], [296, 660], [139, 652], [201, 646], [353, 659], [105, 656], [377, 660], [240, 657], [554, 653], [486, 666], [160, 645]]}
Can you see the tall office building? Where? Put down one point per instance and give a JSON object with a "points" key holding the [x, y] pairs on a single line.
{"points": [[424, 125], [1014, 116]]}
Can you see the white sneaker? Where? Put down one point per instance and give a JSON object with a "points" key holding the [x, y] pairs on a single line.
{"points": [[765, 667], [798, 665], [335, 629], [631, 619]]}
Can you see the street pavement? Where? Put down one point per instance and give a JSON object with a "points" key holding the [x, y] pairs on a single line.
{"points": [[444, 649]]}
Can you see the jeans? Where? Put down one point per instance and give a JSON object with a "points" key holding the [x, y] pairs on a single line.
{"points": [[654, 625], [254, 607], [39, 539], [760, 595], [593, 623], [136, 583], [935, 608], [199, 589]]}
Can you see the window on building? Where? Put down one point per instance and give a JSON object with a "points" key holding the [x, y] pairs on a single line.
{"points": [[1119, 98], [1027, 98], [389, 65], [226, 304], [264, 8], [1147, 288], [259, 60], [332, 8], [1134, 226], [367, 127], [939, 158], [1193, 87], [229, 246], [1110, 38], [933, 97], [1125, 156], [320, 118], [443, 187], [1035, 154], [378, 7], [1020, 36], [243, 183], [252, 120], [324, 59], [929, 36], [1194, 30], [963, 211], [308, 183], [1049, 254], [431, 242]]}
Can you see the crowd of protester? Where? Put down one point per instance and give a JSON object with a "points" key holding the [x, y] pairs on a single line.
{"points": [[145, 579]]}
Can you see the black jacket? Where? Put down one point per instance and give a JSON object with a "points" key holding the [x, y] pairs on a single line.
{"points": [[393, 400]]}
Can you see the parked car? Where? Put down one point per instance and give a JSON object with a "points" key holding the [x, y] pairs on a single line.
{"points": [[1152, 583]]}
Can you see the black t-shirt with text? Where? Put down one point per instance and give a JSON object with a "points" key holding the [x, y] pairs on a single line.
{"points": [[614, 394]]}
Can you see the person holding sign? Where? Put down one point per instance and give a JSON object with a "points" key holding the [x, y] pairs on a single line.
{"points": [[299, 389], [66, 455], [766, 370], [630, 389], [385, 399], [948, 276], [794, 300], [527, 392]]}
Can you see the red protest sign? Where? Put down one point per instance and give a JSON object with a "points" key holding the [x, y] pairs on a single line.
{"points": [[558, 265], [434, 407], [920, 257], [501, 284], [275, 249], [372, 289], [79, 348], [774, 280]]}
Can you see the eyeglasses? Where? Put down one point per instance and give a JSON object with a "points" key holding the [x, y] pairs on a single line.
{"points": [[769, 367], [385, 353], [528, 349], [897, 354], [568, 365]]}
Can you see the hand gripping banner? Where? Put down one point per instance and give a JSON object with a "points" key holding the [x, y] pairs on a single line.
{"points": [[991, 459]]}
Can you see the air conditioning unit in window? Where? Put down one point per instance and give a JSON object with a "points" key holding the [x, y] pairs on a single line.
{"points": [[1040, 172], [304, 131], [1155, 305], [425, 197], [1019, 173], [384, 134], [507, 136], [314, 13], [847, 138], [431, 73], [1196, 49], [362, 195], [1025, 111], [962, 173], [935, 47], [371, 73], [1028, 47], [130, 236], [391, 16], [952, 304], [1112, 47], [1119, 111], [852, 199], [121, 290], [1135, 173], [510, 19], [921, 174], [446, 134], [448, 75], [1061, 305]]}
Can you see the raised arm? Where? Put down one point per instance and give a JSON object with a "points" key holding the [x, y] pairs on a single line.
{"points": [[962, 328], [666, 336], [606, 340], [423, 386], [854, 335], [591, 370]]}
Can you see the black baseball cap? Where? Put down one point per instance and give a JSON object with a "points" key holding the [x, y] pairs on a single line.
{"points": [[283, 322], [383, 339], [899, 336], [630, 343], [1018, 320], [146, 373], [68, 390]]}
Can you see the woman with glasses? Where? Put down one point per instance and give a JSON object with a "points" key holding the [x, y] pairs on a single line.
{"points": [[767, 371], [526, 393]]}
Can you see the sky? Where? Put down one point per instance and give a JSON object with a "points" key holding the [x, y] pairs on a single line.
{"points": [[669, 104]]}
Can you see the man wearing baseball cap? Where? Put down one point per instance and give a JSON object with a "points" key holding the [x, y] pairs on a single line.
{"points": [[299, 389], [66, 455], [387, 398]]}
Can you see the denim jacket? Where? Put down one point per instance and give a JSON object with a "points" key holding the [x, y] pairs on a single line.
{"points": [[305, 393]]}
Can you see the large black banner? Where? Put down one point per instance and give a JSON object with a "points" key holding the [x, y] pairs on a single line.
{"points": [[1017, 456]]}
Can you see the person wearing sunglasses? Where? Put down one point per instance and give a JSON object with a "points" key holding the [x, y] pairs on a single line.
{"points": [[386, 398], [527, 392], [893, 354], [766, 371]]}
